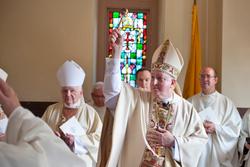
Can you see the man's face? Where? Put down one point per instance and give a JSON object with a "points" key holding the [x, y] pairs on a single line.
{"points": [[161, 84], [71, 94], [98, 97], [208, 80], [143, 80]]}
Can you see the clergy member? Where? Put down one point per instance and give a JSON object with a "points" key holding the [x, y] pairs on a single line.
{"points": [[84, 143], [3, 117], [143, 79], [97, 102], [157, 128], [221, 121], [29, 141]]}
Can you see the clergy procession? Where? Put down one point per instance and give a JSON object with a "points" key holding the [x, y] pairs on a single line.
{"points": [[147, 126]]}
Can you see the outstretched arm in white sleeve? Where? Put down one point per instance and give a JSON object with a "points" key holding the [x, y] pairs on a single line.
{"points": [[112, 78]]}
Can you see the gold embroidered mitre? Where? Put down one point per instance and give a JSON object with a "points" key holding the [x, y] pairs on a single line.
{"points": [[167, 59]]}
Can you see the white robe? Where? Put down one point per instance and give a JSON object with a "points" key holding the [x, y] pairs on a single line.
{"points": [[221, 149], [100, 110], [87, 145], [31, 143], [131, 118], [245, 132], [130, 126]]}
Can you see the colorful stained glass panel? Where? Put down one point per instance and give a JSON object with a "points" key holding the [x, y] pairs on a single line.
{"points": [[134, 31]]}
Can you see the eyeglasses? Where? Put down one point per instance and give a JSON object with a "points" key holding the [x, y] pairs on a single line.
{"points": [[203, 76]]}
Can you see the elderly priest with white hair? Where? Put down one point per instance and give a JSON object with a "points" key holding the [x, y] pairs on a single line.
{"points": [[29, 140], [76, 122], [151, 129]]}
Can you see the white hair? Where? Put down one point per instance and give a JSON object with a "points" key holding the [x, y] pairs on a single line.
{"points": [[98, 85]]}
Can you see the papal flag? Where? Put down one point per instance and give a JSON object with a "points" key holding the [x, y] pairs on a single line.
{"points": [[192, 84]]}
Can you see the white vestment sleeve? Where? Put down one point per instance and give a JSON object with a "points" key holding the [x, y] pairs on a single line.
{"points": [[112, 82], [30, 142], [175, 151]]}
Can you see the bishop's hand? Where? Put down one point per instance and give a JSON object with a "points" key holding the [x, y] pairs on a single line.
{"points": [[160, 137], [69, 140], [209, 127], [8, 98], [116, 41]]}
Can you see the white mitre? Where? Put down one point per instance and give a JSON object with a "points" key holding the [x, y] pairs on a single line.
{"points": [[70, 74], [167, 59]]}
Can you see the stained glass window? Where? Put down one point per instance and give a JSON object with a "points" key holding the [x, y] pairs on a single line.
{"points": [[134, 31]]}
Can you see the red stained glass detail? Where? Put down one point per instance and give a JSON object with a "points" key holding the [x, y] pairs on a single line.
{"points": [[127, 40], [132, 66], [134, 15], [110, 20]]}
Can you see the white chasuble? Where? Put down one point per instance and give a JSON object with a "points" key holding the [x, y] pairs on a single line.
{"points": [[130, 127], [221, 149], [90, 122]]}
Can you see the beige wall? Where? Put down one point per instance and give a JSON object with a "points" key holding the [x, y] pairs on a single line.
{"points": [[36, 37], [236, 51], [175, 23]]}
